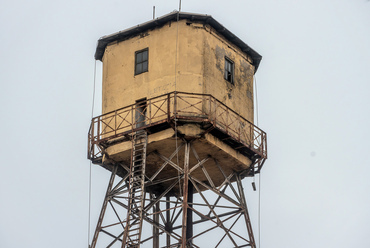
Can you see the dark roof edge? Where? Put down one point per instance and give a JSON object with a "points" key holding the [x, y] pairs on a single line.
{"points": [[127, 33]]}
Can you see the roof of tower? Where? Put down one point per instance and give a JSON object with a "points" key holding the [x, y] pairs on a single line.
{"points": [[160, 21]]}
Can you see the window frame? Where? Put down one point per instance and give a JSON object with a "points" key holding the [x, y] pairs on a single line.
{"points": [[137, 72], [229, 75]]}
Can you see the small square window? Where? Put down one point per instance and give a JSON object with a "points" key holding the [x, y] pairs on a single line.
{"points": [[229, 70], [141, 61]]}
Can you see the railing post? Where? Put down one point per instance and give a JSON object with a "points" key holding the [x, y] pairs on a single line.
{"points": [[210, 109], [239, 122], [168, 107], [149, 105], [89, 145], [215, 120], [115, 122], [260, 149], [264, 146], [175, 105], [265, 149], [91, 140], [227, 121], [132, 117], [98, 131], [251, 135]]}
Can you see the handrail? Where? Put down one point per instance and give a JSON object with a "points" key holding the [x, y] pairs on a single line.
{"points": [[164, 108]]}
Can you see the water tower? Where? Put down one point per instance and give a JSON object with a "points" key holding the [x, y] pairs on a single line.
{"points": [[177, 134]]}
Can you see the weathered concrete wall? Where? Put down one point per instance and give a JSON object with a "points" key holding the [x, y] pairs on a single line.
{"points": [[121, 87], [198, 65], [239, 95]]}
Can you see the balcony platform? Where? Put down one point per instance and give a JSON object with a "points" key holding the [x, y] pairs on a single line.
{"points": [[216, 132]]}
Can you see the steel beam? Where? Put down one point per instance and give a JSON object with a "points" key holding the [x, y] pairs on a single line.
{"points": [[177, 211]]}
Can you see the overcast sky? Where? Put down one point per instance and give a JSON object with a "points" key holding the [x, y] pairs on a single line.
{"points": [[313, 101]]}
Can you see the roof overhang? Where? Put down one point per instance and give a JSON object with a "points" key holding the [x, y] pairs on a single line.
{"points": [[160, 21]]}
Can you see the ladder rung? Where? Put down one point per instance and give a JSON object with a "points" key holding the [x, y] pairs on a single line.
{"points": [[136, 187], [136, 196], [137, 156], [139, 150], [140, 143], [137, 174], [136, 179], [133, 229], [136, 183], [136, 160], [141, 135], [133, 197]]}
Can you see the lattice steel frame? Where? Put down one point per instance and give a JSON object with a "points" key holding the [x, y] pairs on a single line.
{"points": [[176, 217]]}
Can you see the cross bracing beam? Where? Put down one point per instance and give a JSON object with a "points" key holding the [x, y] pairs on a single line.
{"points": [[217, 211]]}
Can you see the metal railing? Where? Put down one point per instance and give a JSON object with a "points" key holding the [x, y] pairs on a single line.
{"points": [[179, 106]]}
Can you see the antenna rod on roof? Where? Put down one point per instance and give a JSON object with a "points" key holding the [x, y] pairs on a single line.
{"points": [[180, 6], [153, 12]]}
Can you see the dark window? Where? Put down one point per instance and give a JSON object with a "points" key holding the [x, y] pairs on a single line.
{"points": [[141, 61], [229, 70]]}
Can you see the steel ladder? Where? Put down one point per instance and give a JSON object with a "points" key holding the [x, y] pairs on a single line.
{"points": [[136, 199]]}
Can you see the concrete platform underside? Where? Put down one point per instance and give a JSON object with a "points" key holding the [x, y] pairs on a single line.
{"points": [[209, 157]]}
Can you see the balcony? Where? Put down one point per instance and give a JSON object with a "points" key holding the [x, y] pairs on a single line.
{"points": [[175, 109]]}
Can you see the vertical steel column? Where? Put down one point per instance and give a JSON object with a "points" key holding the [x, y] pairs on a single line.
{"points": [[104, 207], [185, 195], [246, 215], [155, 229], [168, 220], [189, 219]]}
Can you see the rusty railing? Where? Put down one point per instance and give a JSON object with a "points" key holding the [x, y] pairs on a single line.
{"points": [[120, 123]]}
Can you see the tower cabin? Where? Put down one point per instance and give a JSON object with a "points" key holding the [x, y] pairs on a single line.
{"points": [[182, 76]]}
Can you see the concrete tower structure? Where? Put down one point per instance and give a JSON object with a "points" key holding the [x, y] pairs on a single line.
{"points": [[177, 134]]}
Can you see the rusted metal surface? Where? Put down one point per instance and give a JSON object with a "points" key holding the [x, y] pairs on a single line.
{"points": [[119, 125], [136, 183], [103, 209], [219, 215]]}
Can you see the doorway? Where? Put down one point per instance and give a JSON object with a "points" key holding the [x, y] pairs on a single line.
{"points": [[140, 112]]}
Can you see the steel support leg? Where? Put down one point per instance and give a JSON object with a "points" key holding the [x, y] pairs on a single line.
{"points": [[185, 196], [168, 220], [246, 215], [191, 199], [155, 230], [189, 217], [104, 207]]}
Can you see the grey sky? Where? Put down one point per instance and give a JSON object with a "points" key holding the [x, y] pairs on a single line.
{"points": [[313, 100]]}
